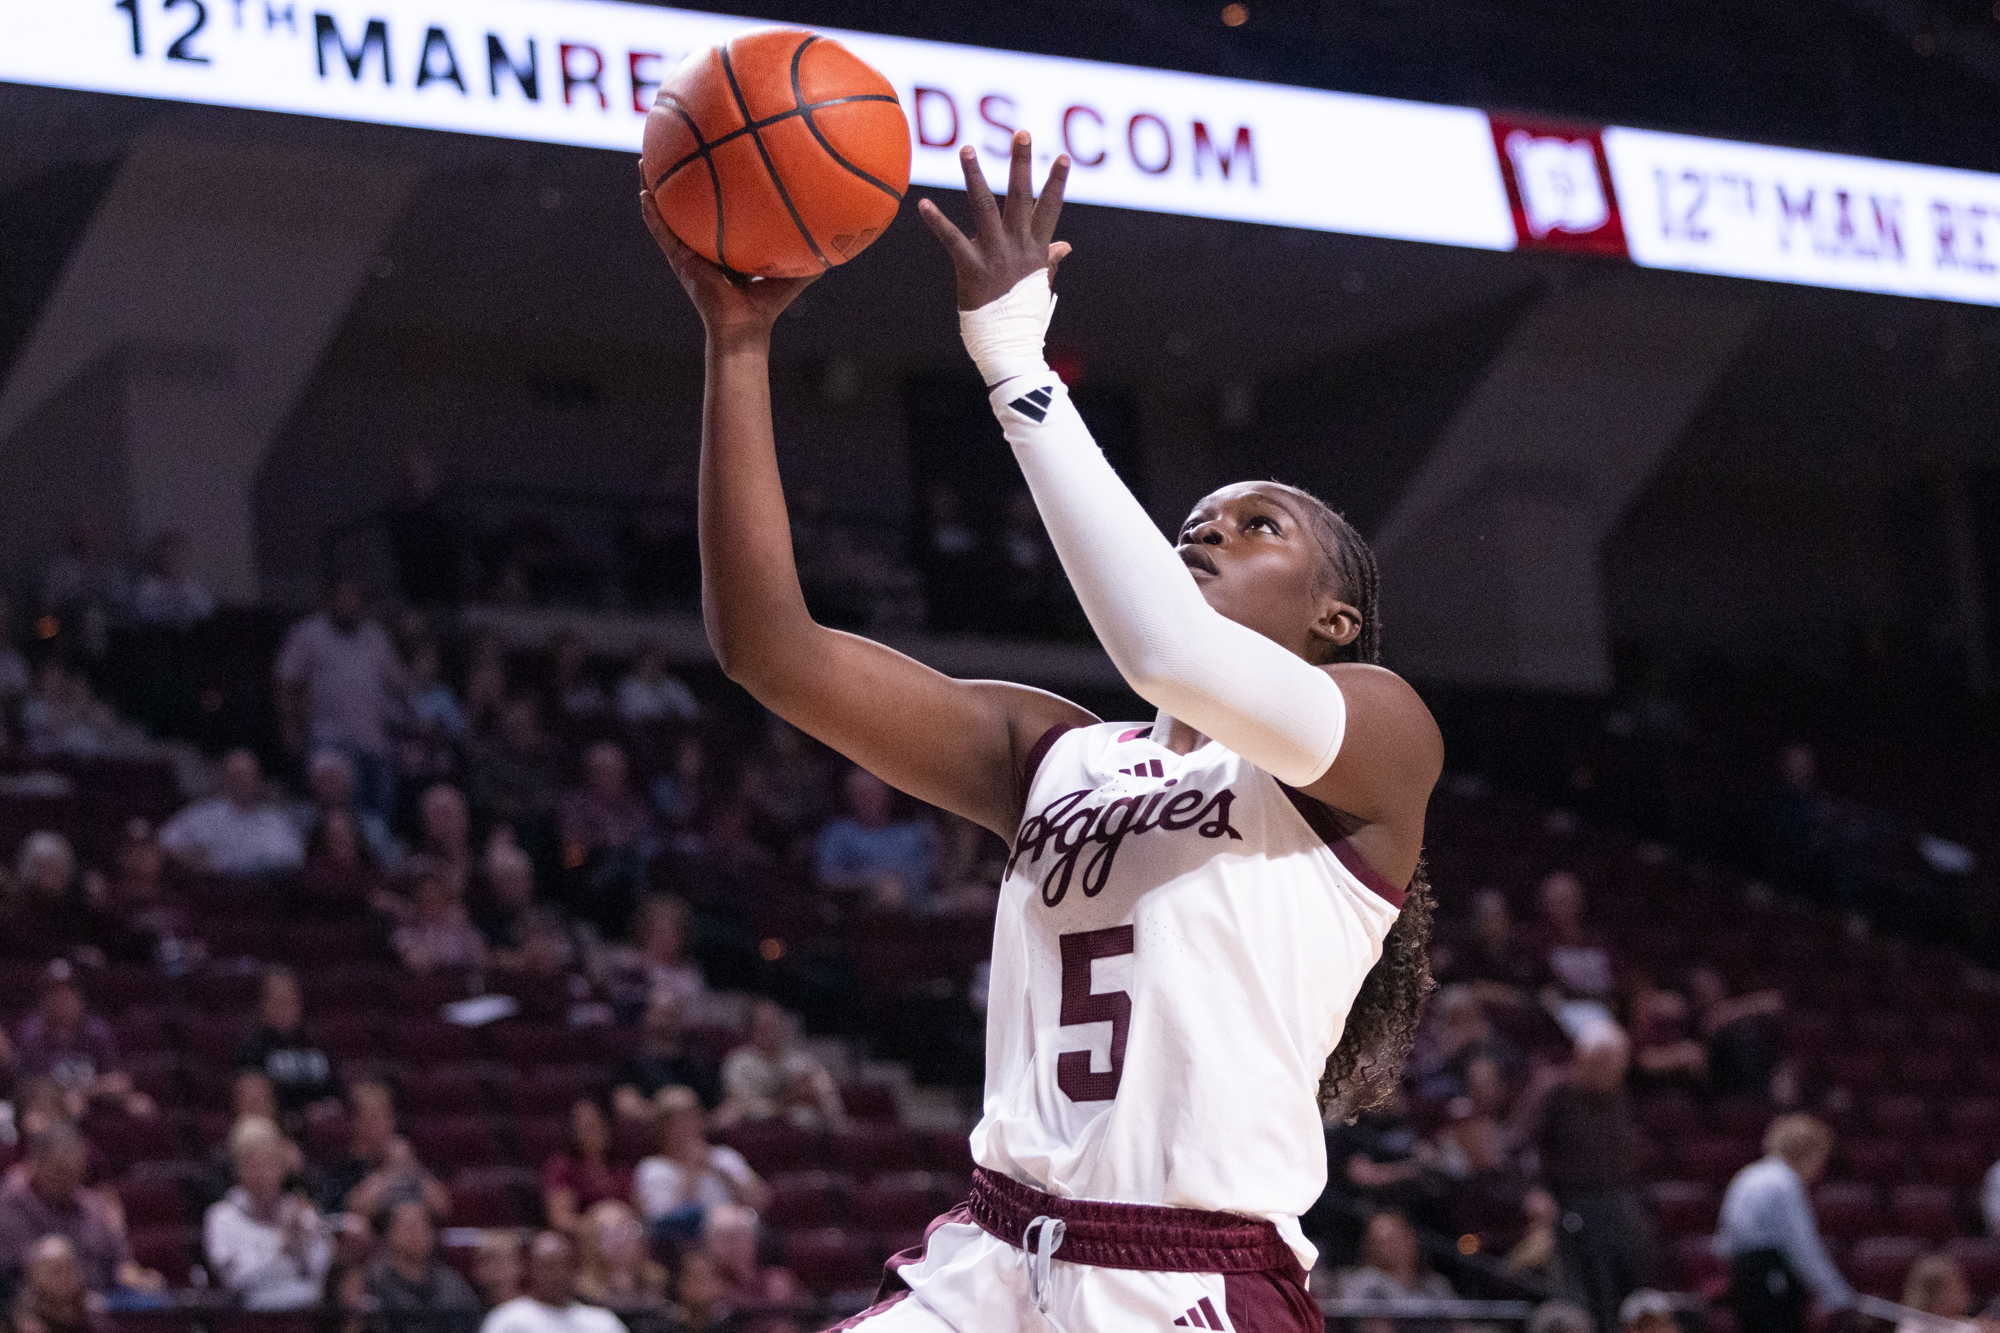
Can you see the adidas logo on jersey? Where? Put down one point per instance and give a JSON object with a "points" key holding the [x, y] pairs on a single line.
{"points": [[1201, 1315], [1149, 768], [1034, 406]]}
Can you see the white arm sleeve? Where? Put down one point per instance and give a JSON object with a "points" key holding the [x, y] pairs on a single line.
{"points": [[1224, 679]]}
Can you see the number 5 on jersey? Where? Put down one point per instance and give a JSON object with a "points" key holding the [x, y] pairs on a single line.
{"points": [[1082, 1005]]}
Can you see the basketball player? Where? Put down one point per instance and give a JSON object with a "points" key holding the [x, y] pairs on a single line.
{"points": [[1211, 928]]}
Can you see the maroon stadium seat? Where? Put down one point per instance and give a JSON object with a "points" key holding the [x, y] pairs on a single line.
{"points": [[1884, 1030], [158, 1075], [1929, 1211], [230, 994], [495, 1196], [553, 1089], [1671, 1115], [830, 1259], [771, 1147], [1860, 1072], [867, 1149], [1959, 1163], [430, 1041], [1900, 1116], [448, 1143], [633, 1139], [118, 989], [213, 1040], [1931, 1074], [423, 994], [524, 1042], [897, 1202], [171, 1251], [140, 1030], [1879, 1264], [351, 988], [1713, 1159], [1697, 1267], [1741, 1117], [125, 1139], [1975, 1118], [805, 1200], [153, 1201], [949, 1151], [442, 1090], [348, 1035], [538, 1138], [1681, 1207], [869, 1101], [1847, 1208], [1878, 1161]]}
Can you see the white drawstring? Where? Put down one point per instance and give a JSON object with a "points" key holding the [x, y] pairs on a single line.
{"points": [[1040, 1249]]}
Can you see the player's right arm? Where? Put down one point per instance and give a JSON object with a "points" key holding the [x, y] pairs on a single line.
{"points": [[952, 743]]}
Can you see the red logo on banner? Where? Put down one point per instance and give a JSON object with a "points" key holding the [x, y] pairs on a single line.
{"points": [[1559, 187]]}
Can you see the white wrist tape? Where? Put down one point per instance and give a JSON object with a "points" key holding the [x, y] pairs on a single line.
{"points": [[1005, 336], [1225, 680]]}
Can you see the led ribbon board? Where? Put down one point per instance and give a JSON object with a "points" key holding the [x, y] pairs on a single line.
{"points": [[584, 72]]}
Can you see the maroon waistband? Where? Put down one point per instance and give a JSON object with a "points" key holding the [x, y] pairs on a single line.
{"points": [[1130, 1235]]}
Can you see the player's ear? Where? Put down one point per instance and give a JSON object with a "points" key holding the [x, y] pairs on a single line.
{"points": [[1337, 624]]}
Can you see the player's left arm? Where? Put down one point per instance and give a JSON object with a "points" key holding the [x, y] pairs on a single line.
{"points": [[1390, 756]]}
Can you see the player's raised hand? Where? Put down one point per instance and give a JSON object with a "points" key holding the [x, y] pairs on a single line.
{"points": [[729, 305], [1008, 243]]}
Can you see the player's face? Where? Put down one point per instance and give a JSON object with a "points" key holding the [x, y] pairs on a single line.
{"points": [[1256, 559]]}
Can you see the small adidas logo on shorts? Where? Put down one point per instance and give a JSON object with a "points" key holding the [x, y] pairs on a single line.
{"points": [[1034, 406], [1201, 1315]]}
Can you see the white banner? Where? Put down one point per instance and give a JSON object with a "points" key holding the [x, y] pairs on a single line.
{"points": [[584, 72], [1786, 215]]}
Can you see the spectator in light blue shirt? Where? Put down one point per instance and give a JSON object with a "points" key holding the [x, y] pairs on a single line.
{"points": [[889, 863], [1768, 1234]]}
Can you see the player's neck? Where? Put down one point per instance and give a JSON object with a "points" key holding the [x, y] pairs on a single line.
{"points": [[1177, 735]]}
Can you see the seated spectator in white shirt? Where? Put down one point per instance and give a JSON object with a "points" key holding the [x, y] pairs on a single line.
{"points": [[551, 1305], [771, 1077], [1392, 1270], [240, 832], [437, 936], [168, 593], [649, 694], [265, 1245], [689, 1175]]}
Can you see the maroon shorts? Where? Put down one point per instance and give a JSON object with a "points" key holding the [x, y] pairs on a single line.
{"points": [[1241, 1276]]}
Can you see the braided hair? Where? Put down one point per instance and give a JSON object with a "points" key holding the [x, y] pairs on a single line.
{"points": [[1363, 1070]]}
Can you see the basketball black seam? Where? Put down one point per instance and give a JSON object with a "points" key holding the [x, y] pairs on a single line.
{"points": [[701, 150], [729, 70], [805, 112], [766, 123]]}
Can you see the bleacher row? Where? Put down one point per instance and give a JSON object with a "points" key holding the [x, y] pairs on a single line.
{"points": [[1897, 1046]]}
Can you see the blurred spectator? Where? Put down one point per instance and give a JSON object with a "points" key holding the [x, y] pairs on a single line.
{"points": [[648, 693], [87, 590], [1576, 962], [657, 966], [583, 1174], [1665, 1054], [41, 1103], [790, 784], [1536, 1256], [330, 783], [340, 684], [1582, 1125], [614, 1268], [772, 1077], [436, 726], [1768, 1234], [888, 863], [499, 1269], [701, 1292], [64, 716], [1800, 851], [152, 923], [1473, 1154], [486, 685], [949, 561], [1743, 1044], [663, 1062], [445, 844], [550, 1304], [1392, 1271], [1028, 576], [265, 1244], [408, 1283], [300, 1071], [729, 1237], [575, 693], [607, 840], [437, 936], [679, 792], [1647, 1311], [1936, 1286], [1379, 1162], [521, 935], [240, 832], [689, 1175], [380, 1169], [14, 677], [1457, 1032], [425, 537], [52, 912], [515, 777], [54, 1298], [251, 1097], [61, 1040], [50, 1199], [168, 593], [341, 873]]}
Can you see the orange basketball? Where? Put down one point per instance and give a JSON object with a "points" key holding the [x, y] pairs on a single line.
{"points": [[780, 153]]}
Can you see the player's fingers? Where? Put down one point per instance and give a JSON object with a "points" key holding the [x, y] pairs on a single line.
{"points": [[985, 211], [1057, 253], [1049, 207], [1021, 179], [949, 236]]}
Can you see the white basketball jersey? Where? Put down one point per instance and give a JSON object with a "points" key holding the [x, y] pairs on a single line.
{"points": [[1175, 955]]}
